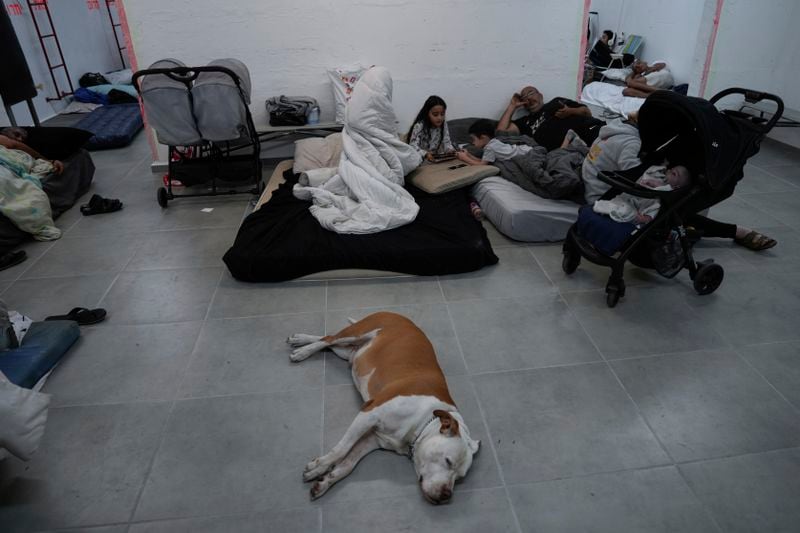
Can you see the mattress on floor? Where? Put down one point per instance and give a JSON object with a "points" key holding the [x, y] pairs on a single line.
{"points": [[112, 126], [283, 241], [522, 215]]}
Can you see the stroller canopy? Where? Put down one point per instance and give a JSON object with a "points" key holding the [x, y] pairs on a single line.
{"points": [[692, 132]]}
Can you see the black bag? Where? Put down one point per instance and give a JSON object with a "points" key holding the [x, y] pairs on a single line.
{"points": [[286, 118], [90, 79]]}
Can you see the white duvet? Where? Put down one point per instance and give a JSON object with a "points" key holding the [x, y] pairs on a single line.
{"points": [[610, 96], [365, 194]]}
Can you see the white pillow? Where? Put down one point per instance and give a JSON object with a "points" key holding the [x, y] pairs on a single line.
{"points": [[316, 152], [23, 414], [343, 80]]}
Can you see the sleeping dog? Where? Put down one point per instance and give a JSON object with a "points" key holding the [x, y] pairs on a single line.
{"points": [[407, 406]]}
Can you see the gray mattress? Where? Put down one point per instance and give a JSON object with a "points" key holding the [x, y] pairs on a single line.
{"points": [[522, 215]]}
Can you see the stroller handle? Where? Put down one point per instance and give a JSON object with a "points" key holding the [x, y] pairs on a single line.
{"points": [[754, 97], [185, 75]]}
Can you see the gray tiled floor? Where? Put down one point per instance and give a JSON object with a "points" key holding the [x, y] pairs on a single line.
{"points": [[182, 412]]}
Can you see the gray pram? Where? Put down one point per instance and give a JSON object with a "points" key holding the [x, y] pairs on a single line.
{"points": [[202, 114]]}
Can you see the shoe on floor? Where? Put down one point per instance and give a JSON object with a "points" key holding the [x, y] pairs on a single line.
{"points": [[82, 316]]}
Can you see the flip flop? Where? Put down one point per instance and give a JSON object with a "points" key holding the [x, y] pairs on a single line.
{"points": [[98, 205], [756, 241], [10, 259], [82, 316]]}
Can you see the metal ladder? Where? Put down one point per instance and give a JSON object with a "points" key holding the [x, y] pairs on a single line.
{"points": [[41, 5], [114, 26]]}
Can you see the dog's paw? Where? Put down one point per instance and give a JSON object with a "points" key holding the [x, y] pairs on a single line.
{"points": [[315, 470], [300, 354], [319, 488], [301, 339]]}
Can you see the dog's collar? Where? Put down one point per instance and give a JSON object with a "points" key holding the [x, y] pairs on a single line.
{"points": [[413, 444]]}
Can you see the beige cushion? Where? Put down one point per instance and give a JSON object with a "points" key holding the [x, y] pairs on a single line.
{"points": [[274, 181], [437, 178], [317, 152]]}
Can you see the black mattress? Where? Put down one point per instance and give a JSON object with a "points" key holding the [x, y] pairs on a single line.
{"points": [[283, 241]]}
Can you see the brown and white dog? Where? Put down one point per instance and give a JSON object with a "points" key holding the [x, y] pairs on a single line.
{"points": [[407, 406]]}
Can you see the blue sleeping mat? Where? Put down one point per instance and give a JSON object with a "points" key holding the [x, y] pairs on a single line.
{"points": [[42, 347], [112, 126]]}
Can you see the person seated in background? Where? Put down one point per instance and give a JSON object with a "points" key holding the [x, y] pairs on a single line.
{"points": [[548, 123], [14, 138], [601, 56], [646, 79]]}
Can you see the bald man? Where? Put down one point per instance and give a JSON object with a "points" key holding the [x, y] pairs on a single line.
{"points": [[548, 123]]}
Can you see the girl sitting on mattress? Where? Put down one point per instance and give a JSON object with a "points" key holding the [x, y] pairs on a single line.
{"points": [[429, 133]]}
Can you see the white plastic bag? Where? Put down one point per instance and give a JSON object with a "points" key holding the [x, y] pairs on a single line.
{"points": [[343, 80], [23, 414]]}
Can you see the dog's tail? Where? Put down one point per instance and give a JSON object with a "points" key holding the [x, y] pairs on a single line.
{"points": [[351, 320]]}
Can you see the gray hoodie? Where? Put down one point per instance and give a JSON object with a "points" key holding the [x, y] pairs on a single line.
{"points": [[616, 148]]}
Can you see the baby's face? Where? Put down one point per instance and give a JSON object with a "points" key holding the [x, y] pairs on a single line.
{"points": [[677, 177]]}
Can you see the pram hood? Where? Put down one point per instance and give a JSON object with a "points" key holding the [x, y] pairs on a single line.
{"points": [[692, 132]]}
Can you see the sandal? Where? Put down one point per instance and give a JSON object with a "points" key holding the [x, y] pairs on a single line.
{"points": [[98, 205], [10, 259], [82, 316], [756, 241]]}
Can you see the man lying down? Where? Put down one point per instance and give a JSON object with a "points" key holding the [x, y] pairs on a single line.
{"points": [[23, 200]]}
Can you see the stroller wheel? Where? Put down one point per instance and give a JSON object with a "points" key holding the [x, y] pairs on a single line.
{"points": [[570, 262], [163, 198], [614, 291], [708, 277]]}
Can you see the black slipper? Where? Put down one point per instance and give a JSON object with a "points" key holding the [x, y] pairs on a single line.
{"points": [[10, 259], [82, 316], [98, 205]]}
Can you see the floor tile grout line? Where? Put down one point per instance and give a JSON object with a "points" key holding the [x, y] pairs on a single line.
{"points": [[114, 281], [747, 362], [323, 392], [483, 416], [646, 422], [22, 273], [171, 409]]}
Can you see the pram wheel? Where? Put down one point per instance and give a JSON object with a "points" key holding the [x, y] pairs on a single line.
{"points": [[570, 262], [163, 197], [614, 291], [708, 277]]}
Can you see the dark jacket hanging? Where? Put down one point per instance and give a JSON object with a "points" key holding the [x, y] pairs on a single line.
{"points": [[16, 83]]}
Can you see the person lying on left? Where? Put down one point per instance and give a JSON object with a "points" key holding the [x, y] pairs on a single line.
{"points": [[14, 139]]}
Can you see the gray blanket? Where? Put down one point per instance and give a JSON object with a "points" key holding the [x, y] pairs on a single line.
{"points": [[554, 175]]}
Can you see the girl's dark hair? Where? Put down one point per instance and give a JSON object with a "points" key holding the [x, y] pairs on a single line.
{"points": [[422, 116]]}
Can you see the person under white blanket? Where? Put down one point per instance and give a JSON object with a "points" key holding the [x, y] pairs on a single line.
{"points": [[629, 208], [366, 194]]}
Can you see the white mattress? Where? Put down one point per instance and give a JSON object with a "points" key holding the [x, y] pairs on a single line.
{"points": [[522, 215]]}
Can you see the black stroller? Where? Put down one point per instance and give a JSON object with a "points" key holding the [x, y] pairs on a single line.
{"points": [[202, 114], [714, 146]]}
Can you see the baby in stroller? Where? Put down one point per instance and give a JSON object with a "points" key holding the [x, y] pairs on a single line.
{"points": [[714, 146], [629, 208]]}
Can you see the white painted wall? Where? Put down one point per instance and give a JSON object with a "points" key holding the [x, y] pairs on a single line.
{"points": [[472, 53], [669, 28], [86, 41], [757, 47]]}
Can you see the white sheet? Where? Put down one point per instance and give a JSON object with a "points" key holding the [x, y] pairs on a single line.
{"points": [[367, 194], [610, 97]]}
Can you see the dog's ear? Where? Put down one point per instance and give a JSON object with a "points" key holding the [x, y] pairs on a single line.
{"points": [[449, 426]]}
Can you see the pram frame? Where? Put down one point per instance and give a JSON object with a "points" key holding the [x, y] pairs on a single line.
{"points": [[706, 275], [216, 153]]}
